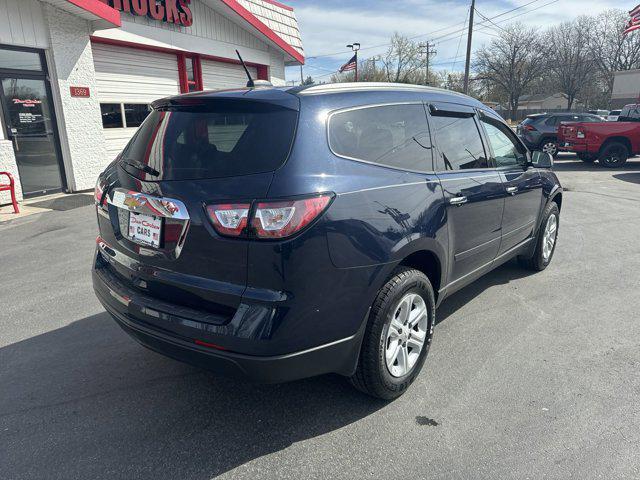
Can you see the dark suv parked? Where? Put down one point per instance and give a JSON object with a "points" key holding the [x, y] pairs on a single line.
{"points": [[281, 233], [540, 131]]}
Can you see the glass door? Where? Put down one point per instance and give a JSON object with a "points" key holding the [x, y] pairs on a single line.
{"points": [[25, 98]]}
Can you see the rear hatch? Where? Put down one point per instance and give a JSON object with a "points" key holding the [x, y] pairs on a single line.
{"points": [[190, 152]]}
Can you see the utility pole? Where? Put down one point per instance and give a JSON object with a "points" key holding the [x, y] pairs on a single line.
{"points": [[373, 61], [301, 75], [469, 37], [427, 50], [355, 47]]}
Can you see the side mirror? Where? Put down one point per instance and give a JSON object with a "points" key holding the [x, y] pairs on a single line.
{"points": [[541, 159]]}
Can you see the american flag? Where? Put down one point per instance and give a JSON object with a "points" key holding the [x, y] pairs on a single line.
{"points": [[350, 65], [634, 22]]}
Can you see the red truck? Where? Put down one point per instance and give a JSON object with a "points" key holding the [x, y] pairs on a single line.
{"points": [[611, 143]]}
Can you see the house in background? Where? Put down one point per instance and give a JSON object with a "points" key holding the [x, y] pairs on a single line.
{"points": [[626, 88], [545, 101]]}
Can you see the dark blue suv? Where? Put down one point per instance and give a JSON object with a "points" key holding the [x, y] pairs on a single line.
{"points": [[281, 233]]}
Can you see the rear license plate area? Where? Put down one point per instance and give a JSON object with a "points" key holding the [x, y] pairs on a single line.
{"points": [[144, 229]]}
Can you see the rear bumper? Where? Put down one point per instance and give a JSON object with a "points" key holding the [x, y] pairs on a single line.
{"points": [[567, 146], [175, 336]]}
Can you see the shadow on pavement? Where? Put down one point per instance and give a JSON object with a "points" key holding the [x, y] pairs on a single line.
{"points": [[573, 164], [628, 177], [500, 276], [86, 401]]}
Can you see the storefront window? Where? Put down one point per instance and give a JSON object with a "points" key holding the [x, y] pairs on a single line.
{"points": [[111, 115], [20, 60], [135, 113]]}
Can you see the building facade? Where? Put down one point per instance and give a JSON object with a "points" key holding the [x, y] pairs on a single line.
{"points": [[626, 88], [545, 101], [77, 76]]}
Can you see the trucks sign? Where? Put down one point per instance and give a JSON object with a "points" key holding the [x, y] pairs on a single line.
{"points": [[168, 11]]}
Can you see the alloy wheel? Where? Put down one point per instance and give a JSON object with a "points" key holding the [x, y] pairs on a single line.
{"points": [[550, 147], [406, 334], [549, 237], [612, 157]]}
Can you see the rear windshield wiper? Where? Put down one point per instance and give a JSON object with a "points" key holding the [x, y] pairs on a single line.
{"points": [[141, 166]]}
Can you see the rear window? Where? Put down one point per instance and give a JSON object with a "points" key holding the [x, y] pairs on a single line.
{"points": [[230, 140], [630, 113]]}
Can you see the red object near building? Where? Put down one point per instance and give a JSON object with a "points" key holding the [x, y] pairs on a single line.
{"points": [[11, 188]]}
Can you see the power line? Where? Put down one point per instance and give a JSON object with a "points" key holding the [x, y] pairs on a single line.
{"points": [[482, 27]]}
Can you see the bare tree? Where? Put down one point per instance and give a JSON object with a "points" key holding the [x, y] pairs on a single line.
{"points": [[570, 59], [403, 61], [612, 50], [511, 62]]}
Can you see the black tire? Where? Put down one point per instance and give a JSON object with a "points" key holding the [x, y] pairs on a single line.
{"points": [[549, 145], [537, 261], [372, 375], [587, 157], [613, 155]]}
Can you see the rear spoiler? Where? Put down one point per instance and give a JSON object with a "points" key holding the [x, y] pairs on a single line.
{"points": [[241, 99]]}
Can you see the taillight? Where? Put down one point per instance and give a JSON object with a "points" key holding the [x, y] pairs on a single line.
{"points": [[268, 219], [580, 133], [529, 128], [229, 218], [99, 196], [285, 218]]}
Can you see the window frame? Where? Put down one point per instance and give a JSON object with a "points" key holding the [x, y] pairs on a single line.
{"points": [[479, 128], [123, 115], [375, 105], [122, 119], [511, 135]]}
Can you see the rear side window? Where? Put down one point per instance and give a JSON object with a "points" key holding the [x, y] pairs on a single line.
{"points": [[237, 139], [551, 121], [459, 143], [390, 135], [630, 113]]}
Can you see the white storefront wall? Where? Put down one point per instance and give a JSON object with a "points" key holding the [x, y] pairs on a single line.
{"points": [[138, 64]]}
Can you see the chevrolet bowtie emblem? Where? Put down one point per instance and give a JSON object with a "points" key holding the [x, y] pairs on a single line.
{"points": [[134, 202]]}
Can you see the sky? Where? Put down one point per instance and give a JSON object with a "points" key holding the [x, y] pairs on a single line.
{"points": [[327, 26]]}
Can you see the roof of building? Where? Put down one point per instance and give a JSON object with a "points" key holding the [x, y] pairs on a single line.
{"points": [[279, 18], [272, 19], [101, 14], [275, 21], [538, 97]]}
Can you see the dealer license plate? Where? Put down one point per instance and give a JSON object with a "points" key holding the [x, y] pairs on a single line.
{"points": [[145, 229]]}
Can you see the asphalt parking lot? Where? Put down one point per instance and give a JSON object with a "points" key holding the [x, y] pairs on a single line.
{"points": [[529, 375]]}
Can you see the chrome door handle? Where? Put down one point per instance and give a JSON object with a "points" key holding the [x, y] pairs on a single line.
{"points": [[512, 190], [458, 201]]}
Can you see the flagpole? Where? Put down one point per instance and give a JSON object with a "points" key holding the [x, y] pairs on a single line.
{"points": [[356, 65], [355, 46]]}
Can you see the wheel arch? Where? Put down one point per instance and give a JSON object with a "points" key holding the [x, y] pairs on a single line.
{"points": [[557, 198], [428, 262], [546, 137], [620, 139]]}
